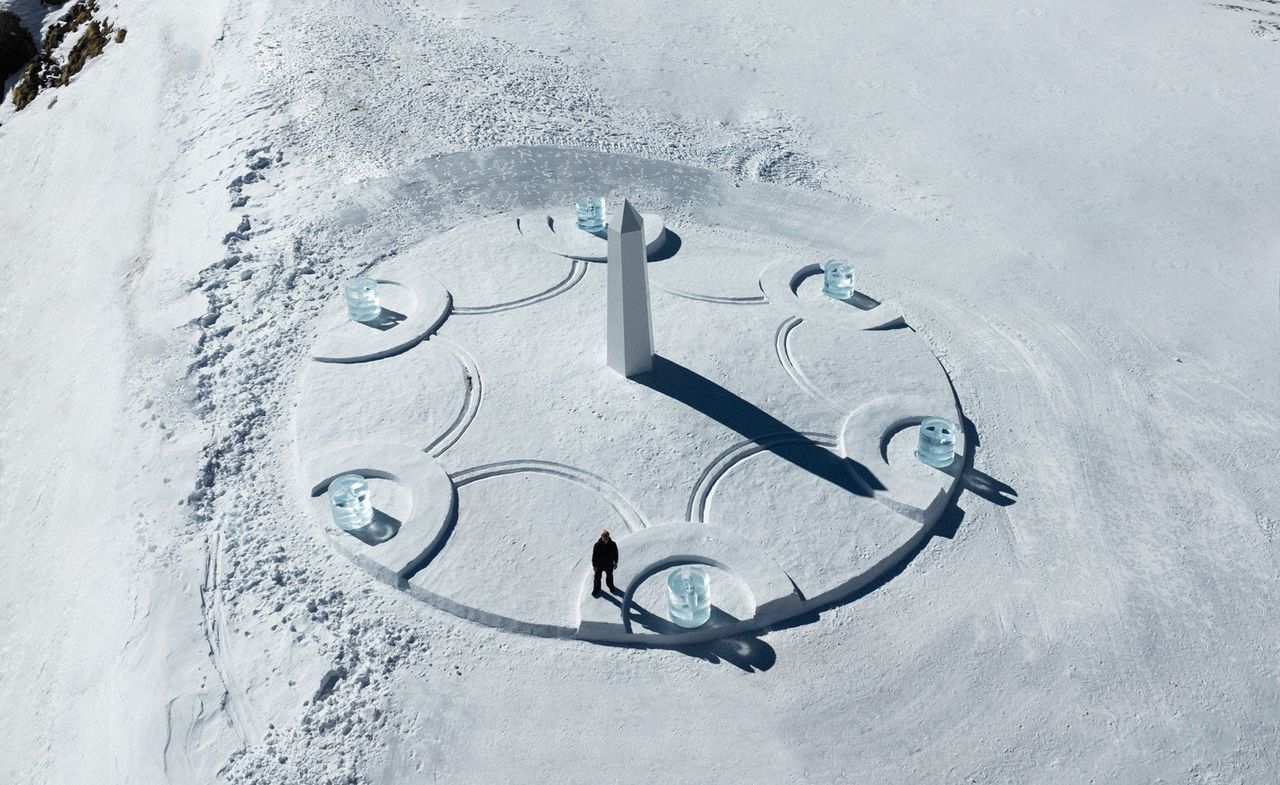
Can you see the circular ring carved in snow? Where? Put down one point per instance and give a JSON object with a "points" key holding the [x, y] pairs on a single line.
{"points": [[511, 274], [761, 490], [713, 264], [402, 536], [670, 545], [559, 234], [731, 602], [700, 500], [882, 434], [433, 385], [535, 512], [774, 418], [414, 305], [799, 291]]}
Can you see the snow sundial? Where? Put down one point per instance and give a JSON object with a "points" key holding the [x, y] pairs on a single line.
{"points": [[772, 440]]}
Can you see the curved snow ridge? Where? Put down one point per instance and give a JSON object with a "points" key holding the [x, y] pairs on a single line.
{"points": [[781, 496], [418, 591], [781, 283], [426, 303], [608, 619], [700, 499], [576, 272], [390, 549], [632, 517], [907, 486], [711, 298], [782, 344], [559, 234], [470, 404]]}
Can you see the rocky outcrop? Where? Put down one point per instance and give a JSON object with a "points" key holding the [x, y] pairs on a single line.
{"points": [[16, 44]]}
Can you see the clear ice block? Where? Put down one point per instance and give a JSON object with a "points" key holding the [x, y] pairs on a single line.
{"points": [[937, 446], [349, 500], [362, 299], [689, 596], [590, 213], [837, 279]]}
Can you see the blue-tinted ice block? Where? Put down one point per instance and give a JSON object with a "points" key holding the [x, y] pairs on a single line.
{"points": [[362, 299], [590, 213], [689, 596], [837, 279], [937, 446], [349, 500]]}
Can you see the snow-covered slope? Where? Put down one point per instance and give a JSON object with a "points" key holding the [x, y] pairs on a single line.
{"points": [[1097, 271]]}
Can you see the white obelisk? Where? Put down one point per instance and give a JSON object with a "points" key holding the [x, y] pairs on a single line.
{"points": [[630, 329]]}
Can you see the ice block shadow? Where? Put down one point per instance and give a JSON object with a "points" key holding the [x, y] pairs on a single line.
{"points": [[861, 301], [975, 481], [747, 652], [663, 626], [382, 528], [386, 319], [982, 484]]}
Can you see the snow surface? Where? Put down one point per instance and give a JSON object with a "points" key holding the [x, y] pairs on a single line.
{"points": [[1074, 207], [744, 423]]}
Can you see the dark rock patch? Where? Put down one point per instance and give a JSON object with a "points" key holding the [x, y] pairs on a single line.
{"points": [[16, 44]]}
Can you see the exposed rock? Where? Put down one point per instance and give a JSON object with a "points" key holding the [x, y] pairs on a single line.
{"points": [[16, 44]]}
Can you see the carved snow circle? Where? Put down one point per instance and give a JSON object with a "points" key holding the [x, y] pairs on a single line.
{"points": [[771, 443]]}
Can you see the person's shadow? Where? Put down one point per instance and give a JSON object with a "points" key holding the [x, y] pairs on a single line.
{"points": [[753, 423]]}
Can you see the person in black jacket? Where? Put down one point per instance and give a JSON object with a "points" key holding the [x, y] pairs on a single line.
{"points": [[604, 558]]}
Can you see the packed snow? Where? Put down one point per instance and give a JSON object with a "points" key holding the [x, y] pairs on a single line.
{"points": [[1072, 206]]}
